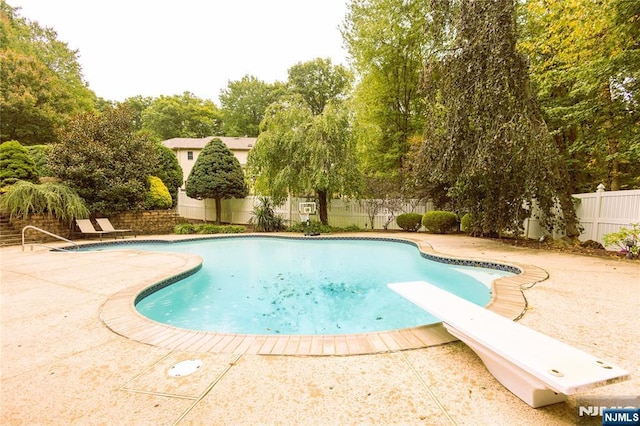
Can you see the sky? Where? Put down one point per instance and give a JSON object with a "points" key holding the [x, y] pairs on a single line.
{"points": [[160, 47]]}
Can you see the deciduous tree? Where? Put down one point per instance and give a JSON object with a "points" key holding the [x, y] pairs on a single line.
{"points": [[181, 116], [102, 158], [305, 146], [485, 139], [244, 103]]}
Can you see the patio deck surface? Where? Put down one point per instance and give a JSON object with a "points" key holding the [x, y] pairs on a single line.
{"points": [[62, 365]]}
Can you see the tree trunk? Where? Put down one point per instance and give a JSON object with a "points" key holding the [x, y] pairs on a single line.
{"points": [[322, 207], [218, 210]]}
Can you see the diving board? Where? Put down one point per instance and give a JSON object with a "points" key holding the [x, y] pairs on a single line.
{"points": [[538, 369]]}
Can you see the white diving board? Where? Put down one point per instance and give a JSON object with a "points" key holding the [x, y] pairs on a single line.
{"points": [[538, 369]]}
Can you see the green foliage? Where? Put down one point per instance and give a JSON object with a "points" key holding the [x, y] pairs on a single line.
{"points": [[587, 79], [55, 199], [40, 155], [216, 174], [319, 82], [158, 196], [181, 116], [621, 238], [102, 158], [244, 103], [466, 223], [264, 217], [169, 171], [319, 228], [410, 222], [206, 228], [42, 83], [486, 143], [387, 41], [305, 145], [439, 222], [16, 164]]}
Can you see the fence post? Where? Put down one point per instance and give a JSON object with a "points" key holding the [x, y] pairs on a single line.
{"points": [[596, 213]]}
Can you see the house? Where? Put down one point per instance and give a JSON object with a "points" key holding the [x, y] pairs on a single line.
{"points": [[188, 149]]}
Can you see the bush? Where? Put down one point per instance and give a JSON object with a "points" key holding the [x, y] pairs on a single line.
{"points": [[207, 228], [316, 227], [465, 223], [439, 222], [184, 228], [626, 239], [54, 199], [158, 196], [410, 222], [264, 217], [16, 164]]}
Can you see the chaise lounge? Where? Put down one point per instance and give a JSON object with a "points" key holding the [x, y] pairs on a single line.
{"points": [[106, 226], [86, 228]]}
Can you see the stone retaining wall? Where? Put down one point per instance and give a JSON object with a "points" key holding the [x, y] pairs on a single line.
{"points": [[143, 223]]}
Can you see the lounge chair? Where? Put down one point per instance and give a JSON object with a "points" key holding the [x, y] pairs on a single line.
{"points": [[86, 228], [105, 225]]}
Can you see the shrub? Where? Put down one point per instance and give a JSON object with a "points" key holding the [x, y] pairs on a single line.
{"points": [[264, 217], [55, 199], [184, 228], [628, 240], [439, 222], [410, 222], [207, 228], [317, 227], [16, 164], [158, 196], [465, 223]]}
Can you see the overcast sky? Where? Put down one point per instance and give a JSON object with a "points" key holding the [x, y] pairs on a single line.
{"points": [[162, 47]]}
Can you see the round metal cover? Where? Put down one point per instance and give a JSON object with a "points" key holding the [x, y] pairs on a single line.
{"points": [[185, 368]]}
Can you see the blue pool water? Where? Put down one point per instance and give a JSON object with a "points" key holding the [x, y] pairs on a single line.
{"points": [[262, 285]]}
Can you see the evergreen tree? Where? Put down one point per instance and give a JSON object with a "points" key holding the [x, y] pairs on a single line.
{"points": [[216, 174], [16, 164]]}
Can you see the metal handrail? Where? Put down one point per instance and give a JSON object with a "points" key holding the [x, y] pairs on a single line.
{"points": [[45, 232]]}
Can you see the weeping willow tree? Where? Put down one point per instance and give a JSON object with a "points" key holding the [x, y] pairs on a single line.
{"points": [[486, 143]]}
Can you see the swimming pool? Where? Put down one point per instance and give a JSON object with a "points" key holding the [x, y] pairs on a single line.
{"points": [[270, 285]]}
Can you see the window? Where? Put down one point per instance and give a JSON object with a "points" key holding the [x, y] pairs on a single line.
{"points": [[189, 155]]}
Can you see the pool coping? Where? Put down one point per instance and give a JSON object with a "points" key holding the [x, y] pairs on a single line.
{"points": [[119, 314]]}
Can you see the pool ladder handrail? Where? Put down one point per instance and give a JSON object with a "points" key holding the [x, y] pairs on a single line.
{"points": [[51, 234]]}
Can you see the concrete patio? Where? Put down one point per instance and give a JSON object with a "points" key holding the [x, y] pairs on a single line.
{"points": [[62, 365]]}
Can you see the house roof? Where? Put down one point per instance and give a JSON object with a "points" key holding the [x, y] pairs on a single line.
{"points": [[234, 144]]}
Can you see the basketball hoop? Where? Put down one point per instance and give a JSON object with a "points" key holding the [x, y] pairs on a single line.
{"points": [[306, 209]]}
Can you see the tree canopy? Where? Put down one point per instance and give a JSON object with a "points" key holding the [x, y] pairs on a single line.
{"points": [[216, 174], [387, 42], [486, 141], [102, 158], [244, 103], [181, 116], [587, 78], [305, 146], [42, 83]]}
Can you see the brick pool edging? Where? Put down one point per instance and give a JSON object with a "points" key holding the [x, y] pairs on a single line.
{"points": [[119, 314]]}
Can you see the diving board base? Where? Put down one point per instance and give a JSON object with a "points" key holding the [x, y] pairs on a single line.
{"points": [[522, 384]]}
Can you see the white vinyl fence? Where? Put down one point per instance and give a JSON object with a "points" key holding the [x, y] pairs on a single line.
{"points": [[342, 212], [599, 213]]}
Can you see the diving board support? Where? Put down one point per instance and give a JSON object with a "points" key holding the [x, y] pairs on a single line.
{"points": [[537, 368]]}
